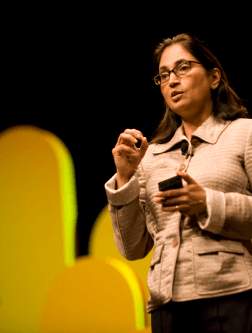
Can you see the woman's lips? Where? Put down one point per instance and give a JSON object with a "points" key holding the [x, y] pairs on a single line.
{"points": [[176, 96]]}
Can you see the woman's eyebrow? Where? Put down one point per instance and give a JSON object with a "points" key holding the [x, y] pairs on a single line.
{"points": [[179, 61]]}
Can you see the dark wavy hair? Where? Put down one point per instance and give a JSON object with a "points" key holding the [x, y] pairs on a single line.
{"points": [[226, 104]]}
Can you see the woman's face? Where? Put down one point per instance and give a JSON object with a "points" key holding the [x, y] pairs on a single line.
{"points": [[194, 87]]}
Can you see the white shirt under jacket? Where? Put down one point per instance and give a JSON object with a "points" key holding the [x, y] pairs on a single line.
{"points": [[200, 256]]}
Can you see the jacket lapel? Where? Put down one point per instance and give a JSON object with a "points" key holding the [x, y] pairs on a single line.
{"points": [[209, 132]]}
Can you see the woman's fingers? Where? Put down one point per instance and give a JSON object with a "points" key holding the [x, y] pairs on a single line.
{"points": [[126, 139], [171, 202], [177, 208], [191, 199], [122, 148], [135, 133], [170, 193], [144, 146], [130, 138]]}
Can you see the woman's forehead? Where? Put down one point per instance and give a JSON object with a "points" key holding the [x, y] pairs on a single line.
{"points": [[173, 55]]}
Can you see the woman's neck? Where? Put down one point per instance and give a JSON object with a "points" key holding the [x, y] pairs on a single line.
{"points": [[190, 126]]}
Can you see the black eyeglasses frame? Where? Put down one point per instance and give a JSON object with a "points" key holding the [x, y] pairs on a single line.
{"points": [[173, 71]]}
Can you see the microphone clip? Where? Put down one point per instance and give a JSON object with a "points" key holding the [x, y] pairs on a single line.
{"points": [[187, 149]]}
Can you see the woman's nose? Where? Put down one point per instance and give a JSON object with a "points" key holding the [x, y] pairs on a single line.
{"points": [[173, 80]]}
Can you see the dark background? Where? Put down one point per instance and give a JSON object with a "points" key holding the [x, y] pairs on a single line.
{"points": [[85, 75]]}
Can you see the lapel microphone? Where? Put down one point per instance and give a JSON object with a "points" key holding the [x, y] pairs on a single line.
{"points": [[184, 149]]}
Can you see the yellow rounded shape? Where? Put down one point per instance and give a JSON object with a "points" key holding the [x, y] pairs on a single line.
{"points": [[38, 210], [94, 295], [101, 245]]}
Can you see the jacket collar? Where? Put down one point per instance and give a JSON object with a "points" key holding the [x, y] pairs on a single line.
{"points": [[209, 132]]}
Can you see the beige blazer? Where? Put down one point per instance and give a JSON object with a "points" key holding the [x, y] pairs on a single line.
{"points": [[200, 256]]}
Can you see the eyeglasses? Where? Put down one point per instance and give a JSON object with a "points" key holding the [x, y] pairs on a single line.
{"points": [[180, 69]]}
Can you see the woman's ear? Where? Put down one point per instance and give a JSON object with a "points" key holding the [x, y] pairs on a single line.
{"points": [[215, 76]]}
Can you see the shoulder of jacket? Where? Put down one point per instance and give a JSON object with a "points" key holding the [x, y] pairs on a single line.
{"points": [[242, 122]]}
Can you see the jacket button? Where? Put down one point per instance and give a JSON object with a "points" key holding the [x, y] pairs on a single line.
{"points": [[174, 242], [195, 143]]}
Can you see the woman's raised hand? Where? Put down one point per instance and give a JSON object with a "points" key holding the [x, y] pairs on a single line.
{"points": [[127, 156]]}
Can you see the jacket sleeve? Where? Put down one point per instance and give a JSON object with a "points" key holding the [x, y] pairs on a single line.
{"points": [[127, 211], [230, 214]]}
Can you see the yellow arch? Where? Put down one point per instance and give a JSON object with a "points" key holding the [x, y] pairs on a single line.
{"points": [[94, 295], [68, 195], [38, 210], [102, 245], [135, 288]]}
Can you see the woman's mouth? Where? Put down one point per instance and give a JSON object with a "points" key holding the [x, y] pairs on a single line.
{"points": [[176, 95]]}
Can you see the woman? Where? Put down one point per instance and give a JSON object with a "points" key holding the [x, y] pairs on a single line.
{"points": [[200, 276]]}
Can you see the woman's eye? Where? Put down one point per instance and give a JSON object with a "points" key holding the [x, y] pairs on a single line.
{"points": [[184, 68], [164, 76]]}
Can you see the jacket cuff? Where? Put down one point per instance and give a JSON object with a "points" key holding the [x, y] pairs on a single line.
{"points": [[214, 219], [124, 195]]}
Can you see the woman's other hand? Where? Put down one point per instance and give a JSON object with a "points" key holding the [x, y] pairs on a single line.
{"points": [[189, 200], [127, 156]]}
